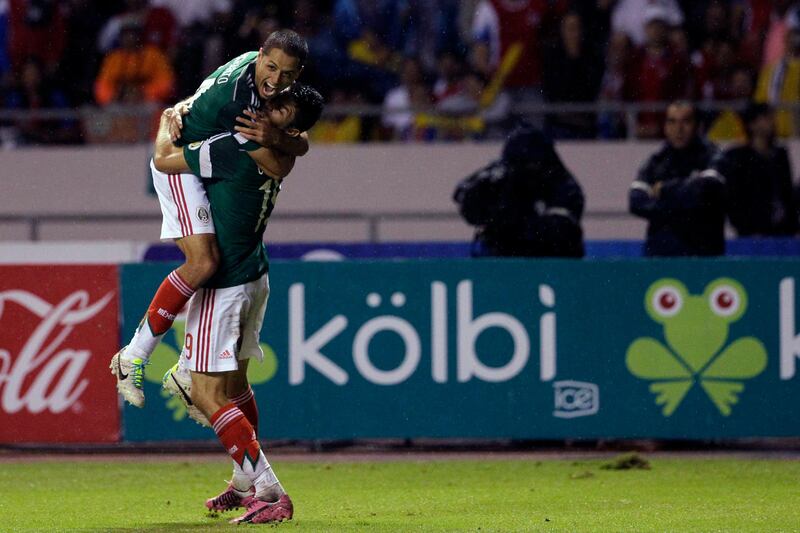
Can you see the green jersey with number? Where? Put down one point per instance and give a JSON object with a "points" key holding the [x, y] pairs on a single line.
{"points": [[223, 96], [242, 198]]}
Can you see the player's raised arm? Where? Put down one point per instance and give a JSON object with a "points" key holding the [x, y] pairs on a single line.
{"points": [[167, 157], [263, 133], [291, 114]]}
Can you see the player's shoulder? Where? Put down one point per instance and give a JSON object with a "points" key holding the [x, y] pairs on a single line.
{"points": [[230, 72]]}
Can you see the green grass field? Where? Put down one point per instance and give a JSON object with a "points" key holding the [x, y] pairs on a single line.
{"points": [[446, 495]]}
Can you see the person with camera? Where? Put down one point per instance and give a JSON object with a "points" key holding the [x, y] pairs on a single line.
{"points": [[526, 204]]}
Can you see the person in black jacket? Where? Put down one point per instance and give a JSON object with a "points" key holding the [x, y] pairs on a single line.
{"points": [[680, 196], [758, 179], [527, 204]]}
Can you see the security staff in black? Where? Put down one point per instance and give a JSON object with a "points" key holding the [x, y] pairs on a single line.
{"points": [[758, 179], [680, 196], [526, 204]]}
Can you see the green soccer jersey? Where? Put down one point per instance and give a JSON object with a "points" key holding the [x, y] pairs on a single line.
{"points": [[242, 198], [223, 96]]}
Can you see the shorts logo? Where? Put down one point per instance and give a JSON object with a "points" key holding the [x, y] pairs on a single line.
{"points": [[202, 215], [225, 355], [195, 145]]}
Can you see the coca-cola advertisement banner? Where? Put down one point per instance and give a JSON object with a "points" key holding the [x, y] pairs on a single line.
{"points": [[58, 330]]}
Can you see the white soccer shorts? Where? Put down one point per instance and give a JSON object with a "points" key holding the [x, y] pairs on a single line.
{"points": [[223, 326], [184, 204]]}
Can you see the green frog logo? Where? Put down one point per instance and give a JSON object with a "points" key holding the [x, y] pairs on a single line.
{"points": [[166, 355], [696, 351]]}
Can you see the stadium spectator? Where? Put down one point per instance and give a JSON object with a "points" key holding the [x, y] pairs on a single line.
{"points": [[527, 204], [79, 65], [596, 18], [33, 91], [449, 70], [134, 73], [779, 83], [188, 13], [502, 29], [749, 22], [682, 200], [631, 17], [758, 179], [346, 128], [782, 19], [612, 125], [727, 125], [412, 92], [707, 20], [714, 65], [5, 61], [474, 111], [208, 37], [36, 30], [158, 26], [658, 73], [572, 73]]}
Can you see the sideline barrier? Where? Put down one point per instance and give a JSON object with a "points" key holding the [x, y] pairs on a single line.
{"points": [[682, 349], [595, 249]]}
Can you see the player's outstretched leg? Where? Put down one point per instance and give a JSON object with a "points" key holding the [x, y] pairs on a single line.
{"points": [[177, 288]]}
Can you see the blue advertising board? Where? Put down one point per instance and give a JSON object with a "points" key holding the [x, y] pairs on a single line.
{"points": [[548, 349]]}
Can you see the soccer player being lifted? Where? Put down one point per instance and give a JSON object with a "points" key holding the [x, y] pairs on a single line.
{"points": [[225, 315], [238, 88]]}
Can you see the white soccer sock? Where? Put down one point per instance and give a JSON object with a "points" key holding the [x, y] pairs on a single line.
{"points": [[240, 481], [142, 344], [263, 479]]}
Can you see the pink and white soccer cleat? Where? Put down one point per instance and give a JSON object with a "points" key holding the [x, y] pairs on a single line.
{"points": [[261, 512], [227, 500]]}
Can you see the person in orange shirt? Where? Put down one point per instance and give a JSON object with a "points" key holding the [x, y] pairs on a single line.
{"points": [[134, 73]]}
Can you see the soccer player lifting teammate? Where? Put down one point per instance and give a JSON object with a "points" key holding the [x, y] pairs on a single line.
{"points": [[225, 316], [223, 104]]}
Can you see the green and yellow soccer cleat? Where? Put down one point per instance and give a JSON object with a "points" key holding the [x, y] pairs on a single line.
{"points": [[130, 378], [178, 382]]}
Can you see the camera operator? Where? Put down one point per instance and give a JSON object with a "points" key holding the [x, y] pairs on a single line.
{"points": [[527, 204], [681, 198]]}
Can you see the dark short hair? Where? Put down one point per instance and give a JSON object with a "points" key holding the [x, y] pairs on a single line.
{"points": [[308, 104], [755, 110], [288, 41], [685, 103]]}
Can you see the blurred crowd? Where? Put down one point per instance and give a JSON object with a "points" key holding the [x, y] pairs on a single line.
{"points": [[440, 69]]}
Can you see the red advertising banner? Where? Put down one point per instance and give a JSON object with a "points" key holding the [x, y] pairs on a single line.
{"points": [[58, 331]]}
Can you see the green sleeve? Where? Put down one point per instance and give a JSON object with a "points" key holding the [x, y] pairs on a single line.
{"points": [[191, 152], [218, 157]]}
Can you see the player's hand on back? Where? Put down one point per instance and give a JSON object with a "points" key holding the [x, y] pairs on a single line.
{"points": [[175, 119], [257, 128]]}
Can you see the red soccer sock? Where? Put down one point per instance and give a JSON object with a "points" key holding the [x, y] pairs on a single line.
{"points": [[246, 402], [236, 434], [170, 298]]}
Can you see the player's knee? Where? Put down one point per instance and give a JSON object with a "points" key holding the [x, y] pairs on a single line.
{"points": [[237, 387], [206, 401], [203, 266]]}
